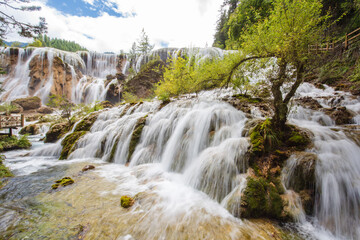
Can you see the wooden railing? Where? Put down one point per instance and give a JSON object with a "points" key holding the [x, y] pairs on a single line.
{"points": [[342, 43]]}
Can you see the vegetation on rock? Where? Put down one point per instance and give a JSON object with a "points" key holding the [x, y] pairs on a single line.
{"points": [[28, 103], [56, 131], [69, 142], [87, 122], [126, 201], [62, 182], [136, 134], [31, 129], [14, 143], [4, 171]]}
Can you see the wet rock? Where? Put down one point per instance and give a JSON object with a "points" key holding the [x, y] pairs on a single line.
{"points": [[87, 122], [352, 132], [143, 83], [87, 168], [106, 104], [261, 199], [113, 94], [28, 103], [17, 108], [32, 129], [341, 115], [45, 110], [135, 137], [126, 201], [310, 103], [308, 200], [56, 131], [62, 182], [69, 142]]}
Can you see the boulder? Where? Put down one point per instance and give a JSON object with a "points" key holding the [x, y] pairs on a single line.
{"points": [[341, 115], [32, 129], [17, 108], [45, 110], [56, 131], [28, 103], [113, 94], [87, 168], [310, 103]]}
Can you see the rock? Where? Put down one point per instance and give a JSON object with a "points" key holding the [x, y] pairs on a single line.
{"points": [[32, 129], [32, 117], [113, 93], [69, 142], [261, 199], [135, 137], [142, 84], [62, 182], [56, 131], [87, 122], [126, 201], [120, 77], [310, 103], [28, 103], [87, 168], [341, 115], [303, 175], [106, 104], [17, 108], [45, 110], [110, 77]]}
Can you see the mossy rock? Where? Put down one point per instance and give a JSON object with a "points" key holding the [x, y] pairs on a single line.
{"points": [[32, 129], [135, 137], [260, 199], [4, 171], [69, 142], [62, 182], [28, 103], [87, 122], [126, 201], [56, 131], [298, 138]]}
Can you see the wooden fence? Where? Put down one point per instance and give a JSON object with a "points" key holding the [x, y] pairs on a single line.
{"points": [[341, 44], [11, 121]]}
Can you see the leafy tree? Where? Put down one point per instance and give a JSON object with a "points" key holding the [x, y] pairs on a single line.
{"points": [[35, 43], [8, 22], [285, 35], [63, 105], [143, 45]]}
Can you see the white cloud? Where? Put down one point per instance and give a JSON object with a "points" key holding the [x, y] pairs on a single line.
{"points": [[178, 23], [91, 2]]}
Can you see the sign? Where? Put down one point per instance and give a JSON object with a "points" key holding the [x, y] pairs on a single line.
{"points": [[11, 121]]}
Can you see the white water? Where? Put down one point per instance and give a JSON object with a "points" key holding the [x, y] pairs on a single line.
{"points": [[191, 155]]}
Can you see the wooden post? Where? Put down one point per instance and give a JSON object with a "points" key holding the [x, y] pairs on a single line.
{"points": [[10, 132], [22, 120], [327, 46], [346, 41]]}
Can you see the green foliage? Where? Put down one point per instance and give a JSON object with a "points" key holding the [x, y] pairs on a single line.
{"points": [[130, 98], [355, 76], [4, 171], [36, 43], [64, 106], [61, 44], [13, 143], [247, 13], [16, 44], [8, 108]]}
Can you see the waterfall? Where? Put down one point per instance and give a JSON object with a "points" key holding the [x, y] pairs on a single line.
{"points": [[33, 74]]}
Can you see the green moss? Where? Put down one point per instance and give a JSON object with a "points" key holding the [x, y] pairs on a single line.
{"points": [[4, 171], [86, 123], [298, 138], [135, 137], [126, 201], [69, 142], [62, 182], [56, 131], [261, 199], [247, 98], [263, 138], [113, 150], [14, 143]]}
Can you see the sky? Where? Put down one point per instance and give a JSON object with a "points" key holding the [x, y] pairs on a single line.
{"points": [[113, 25]]}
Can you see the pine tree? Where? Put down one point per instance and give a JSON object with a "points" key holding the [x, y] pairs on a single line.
{"points": [[144, 46]]}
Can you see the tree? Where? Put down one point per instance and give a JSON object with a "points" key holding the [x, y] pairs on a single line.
{"points": [[35, 43], [143, 45], [285, 35], [8, 22], [63, 105]]}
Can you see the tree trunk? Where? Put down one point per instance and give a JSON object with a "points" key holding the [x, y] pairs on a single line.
{"points": [[281, 109]]}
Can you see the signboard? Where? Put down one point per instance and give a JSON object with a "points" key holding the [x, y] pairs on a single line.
{"points": [[11, 121]]}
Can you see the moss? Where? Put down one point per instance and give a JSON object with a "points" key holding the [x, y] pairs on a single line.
{"points": [[263, 138], [261, 199], [62, 182], [56, 131], [126, 201], [69, 142], [247, 98], [4, 171], [297, 138], [135, 137], [113, 150], [14, 143], [31, 129], [87, 122]]}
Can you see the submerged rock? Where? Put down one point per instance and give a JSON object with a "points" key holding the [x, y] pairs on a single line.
{"points": [[126, 201], [87, 168], [62, 182]]}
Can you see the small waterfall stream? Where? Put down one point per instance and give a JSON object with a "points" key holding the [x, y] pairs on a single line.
{"points": [[189, 165]]}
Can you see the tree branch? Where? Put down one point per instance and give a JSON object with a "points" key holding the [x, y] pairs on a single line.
{"points": [[299, 79], [241, 62]]}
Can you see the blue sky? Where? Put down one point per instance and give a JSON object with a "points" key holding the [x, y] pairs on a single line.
{"points": [[113, 25]]}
